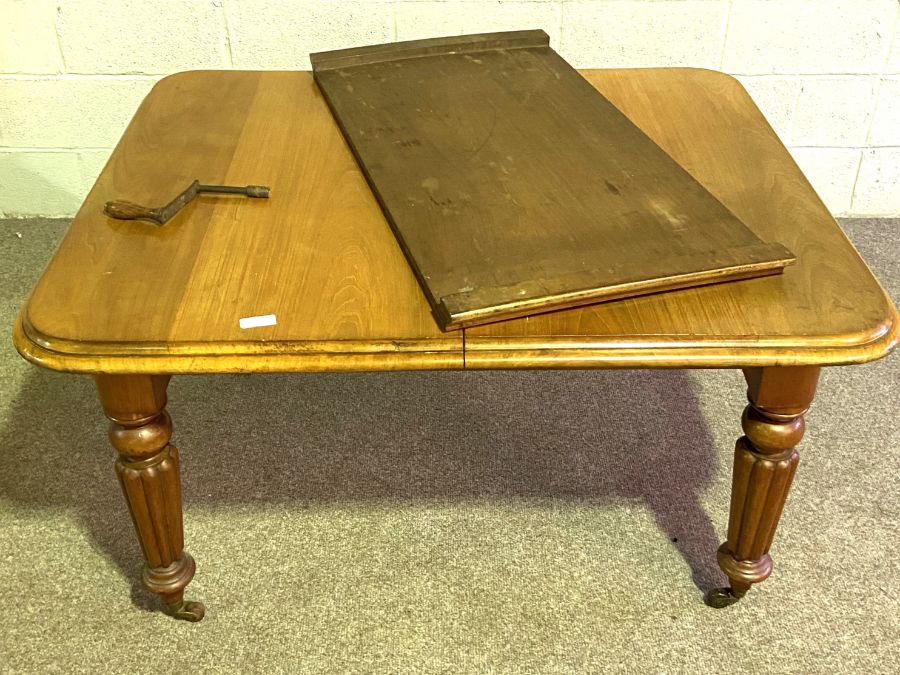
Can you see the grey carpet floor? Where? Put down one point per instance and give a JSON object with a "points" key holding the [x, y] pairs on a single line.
{"points": [[472, 522]]}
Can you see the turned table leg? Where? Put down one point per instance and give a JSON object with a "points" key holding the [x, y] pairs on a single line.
{"points": [[148, 470], [764, 464]]}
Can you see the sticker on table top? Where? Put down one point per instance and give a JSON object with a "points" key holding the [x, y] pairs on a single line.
{"points": [[258, 321]]}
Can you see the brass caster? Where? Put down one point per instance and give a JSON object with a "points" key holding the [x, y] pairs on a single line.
{"points": [[721, 597], [187, 611]]}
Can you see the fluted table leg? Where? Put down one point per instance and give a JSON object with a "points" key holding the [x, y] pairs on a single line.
{"points": [[148, 470], [764, 464]]}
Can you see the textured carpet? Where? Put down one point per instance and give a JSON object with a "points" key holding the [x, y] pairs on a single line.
{"points": [[474, 522]]}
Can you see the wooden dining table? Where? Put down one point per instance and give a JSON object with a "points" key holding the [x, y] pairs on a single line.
{"points": [[134, 303]]}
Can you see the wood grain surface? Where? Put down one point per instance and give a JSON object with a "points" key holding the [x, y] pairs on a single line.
{"points": [[131, 297], [514, 187], [826, 309]]}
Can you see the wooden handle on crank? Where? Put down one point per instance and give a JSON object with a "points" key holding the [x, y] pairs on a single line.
{"points": [[129, 211]]}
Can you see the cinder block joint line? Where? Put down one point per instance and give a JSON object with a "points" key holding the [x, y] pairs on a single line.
{"points": [[725, 32], [224, 10], [10, 150], [62, 55]]}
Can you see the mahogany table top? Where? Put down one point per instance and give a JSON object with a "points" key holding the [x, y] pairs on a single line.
{"points": [[132, 297]]}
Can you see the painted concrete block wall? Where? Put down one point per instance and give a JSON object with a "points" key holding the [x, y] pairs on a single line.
{"points": [[826, 73]]}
